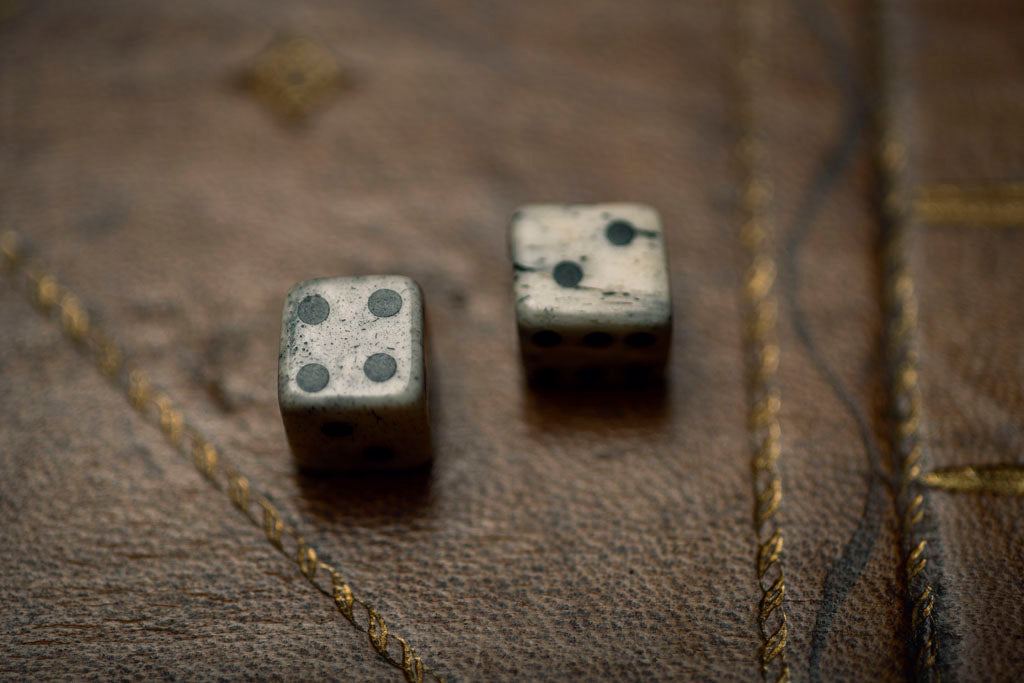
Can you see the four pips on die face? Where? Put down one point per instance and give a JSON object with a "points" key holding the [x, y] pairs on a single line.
{"points": [[592, 307]]}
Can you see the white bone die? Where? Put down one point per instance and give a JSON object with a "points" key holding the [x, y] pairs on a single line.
{"points": [[351, 374], [592, 297]]}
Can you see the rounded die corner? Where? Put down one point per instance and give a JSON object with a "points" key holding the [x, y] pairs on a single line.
{"points": [[293, 402]]}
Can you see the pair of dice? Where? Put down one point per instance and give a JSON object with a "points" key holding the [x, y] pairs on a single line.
{"points": [[592, 305]]}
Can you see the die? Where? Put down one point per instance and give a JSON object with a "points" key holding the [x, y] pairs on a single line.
{"points": [[592, 296], [351, 381]]}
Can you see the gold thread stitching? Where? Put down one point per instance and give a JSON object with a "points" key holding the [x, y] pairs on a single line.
{"points": [[160, 409], [294, 77], [761, 349], [997, 204], [900, 305], [1006, 480]]}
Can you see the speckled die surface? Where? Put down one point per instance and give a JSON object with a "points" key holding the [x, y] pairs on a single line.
{"points": [[351, 377], [591, 290]]}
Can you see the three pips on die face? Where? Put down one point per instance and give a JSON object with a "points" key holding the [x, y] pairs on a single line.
{"points": [[592, 304]]}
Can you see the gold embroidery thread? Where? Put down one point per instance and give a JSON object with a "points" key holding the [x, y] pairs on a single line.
{"points": [[294, 77], [1004, 480], [160, 410], [761, 350], [900, 307], [991, 204]]}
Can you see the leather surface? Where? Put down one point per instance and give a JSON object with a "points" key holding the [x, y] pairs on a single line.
{"points": [[600, 535], [972, 327]]}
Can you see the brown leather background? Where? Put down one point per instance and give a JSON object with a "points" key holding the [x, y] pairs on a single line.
{"points": [[972, 324], [598, 536]]}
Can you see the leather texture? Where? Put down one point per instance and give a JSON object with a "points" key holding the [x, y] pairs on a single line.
{"points": [[606, 535]]}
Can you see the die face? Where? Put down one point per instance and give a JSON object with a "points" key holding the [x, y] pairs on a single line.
{"points": [[351, 375], [600, 266], [592, 291], [351, 342]]}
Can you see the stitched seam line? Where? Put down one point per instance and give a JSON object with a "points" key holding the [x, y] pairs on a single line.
{"points": [[900, 308], [984, 204], [761, 349], [1001, 480], [158, 408]]}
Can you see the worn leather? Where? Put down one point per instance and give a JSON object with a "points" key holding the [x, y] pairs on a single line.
{"points": [[972, 328], [605, 535]]}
